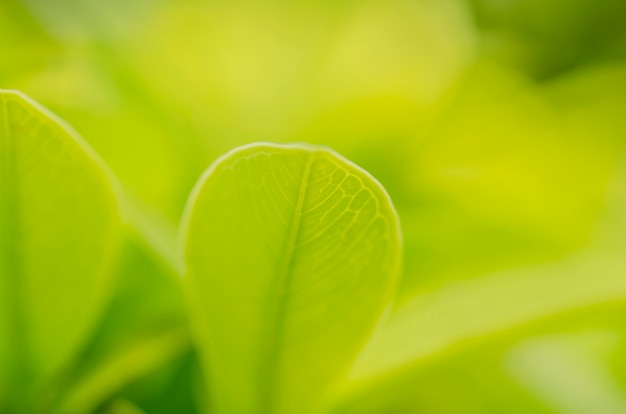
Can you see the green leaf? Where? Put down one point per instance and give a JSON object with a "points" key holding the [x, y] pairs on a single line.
{"points": [[141, 331], [60, 229], [122, 368], [292, 254], [434, 326]]}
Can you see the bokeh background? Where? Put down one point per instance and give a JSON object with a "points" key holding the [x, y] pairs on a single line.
{"points": [[497, 126]]}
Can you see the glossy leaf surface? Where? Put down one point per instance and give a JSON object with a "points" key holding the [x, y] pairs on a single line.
{"points": [[60, 226], [292, 254]]}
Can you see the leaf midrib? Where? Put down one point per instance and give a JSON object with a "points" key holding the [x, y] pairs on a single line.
{"points": [[10, 240], [270, 385]]}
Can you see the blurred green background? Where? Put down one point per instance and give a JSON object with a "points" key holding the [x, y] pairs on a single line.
{"points": [[497, 126]]}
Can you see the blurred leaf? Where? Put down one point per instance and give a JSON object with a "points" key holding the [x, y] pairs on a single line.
{"points": [[470, 381], [122, 368], [60, 230], [434, 324], [478, 371], [292, 253], [146, 309]]}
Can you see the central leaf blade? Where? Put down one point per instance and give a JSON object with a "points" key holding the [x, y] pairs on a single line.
{"points": [[292, 254]]}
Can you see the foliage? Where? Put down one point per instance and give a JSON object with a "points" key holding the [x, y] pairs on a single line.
{"points": [[497, 129]]}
